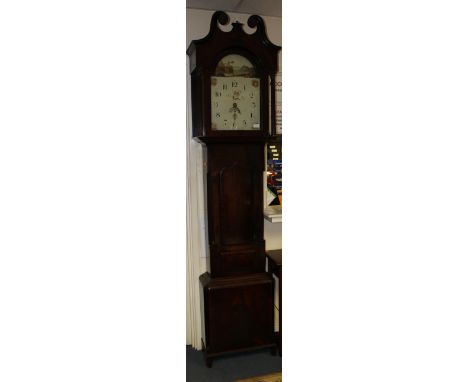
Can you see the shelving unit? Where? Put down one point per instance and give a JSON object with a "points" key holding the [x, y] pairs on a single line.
{"points": [[273, 214]]}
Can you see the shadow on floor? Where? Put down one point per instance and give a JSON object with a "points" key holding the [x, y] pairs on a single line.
{"points": [[230, 368]]}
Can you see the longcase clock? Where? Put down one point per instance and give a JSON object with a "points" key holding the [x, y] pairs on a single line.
{"points": [[232, 84]]}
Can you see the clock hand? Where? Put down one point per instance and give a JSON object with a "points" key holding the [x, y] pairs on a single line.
{"points": [[234, 109]]}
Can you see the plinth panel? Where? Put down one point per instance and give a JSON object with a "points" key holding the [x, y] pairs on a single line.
{"points": [[238, 312]]}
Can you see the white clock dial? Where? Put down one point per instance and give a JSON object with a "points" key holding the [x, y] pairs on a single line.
{"points": [[235, 95]]}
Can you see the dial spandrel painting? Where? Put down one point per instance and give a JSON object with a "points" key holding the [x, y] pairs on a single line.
{"points": [[235, 95]]}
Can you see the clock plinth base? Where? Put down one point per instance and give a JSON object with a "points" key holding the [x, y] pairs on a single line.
{"points": [[237, 314]]}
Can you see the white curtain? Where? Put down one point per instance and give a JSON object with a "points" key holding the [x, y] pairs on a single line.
{"points": [[196, 232]]}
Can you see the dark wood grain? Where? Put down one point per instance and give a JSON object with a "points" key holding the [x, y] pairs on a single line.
{"points": [[235, 208], [237, 303], [204, 55], [238, 313]]}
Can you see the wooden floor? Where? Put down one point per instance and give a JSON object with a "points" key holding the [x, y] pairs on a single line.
{"points": [[275, 377]]}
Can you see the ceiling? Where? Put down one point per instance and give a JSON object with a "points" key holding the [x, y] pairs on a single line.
{"points": [[252, 7]]}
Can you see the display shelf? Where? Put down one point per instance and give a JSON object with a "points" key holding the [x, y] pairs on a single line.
{"points": [[273, 214]]}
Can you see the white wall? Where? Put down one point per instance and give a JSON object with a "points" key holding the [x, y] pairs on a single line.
{"points": [[197, 26]]}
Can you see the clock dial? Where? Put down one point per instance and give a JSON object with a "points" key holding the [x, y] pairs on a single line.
{"points": [[235, 95]]}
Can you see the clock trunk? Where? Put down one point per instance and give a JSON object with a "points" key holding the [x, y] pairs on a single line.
{"points": [[234, 185]]}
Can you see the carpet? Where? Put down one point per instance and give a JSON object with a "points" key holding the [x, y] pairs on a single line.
{"points": [[275, 377]]}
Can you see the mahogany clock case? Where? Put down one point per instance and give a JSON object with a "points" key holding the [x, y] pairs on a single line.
{"points": [[237, 303], [237, 314], [234, 185], [205, 54]]}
